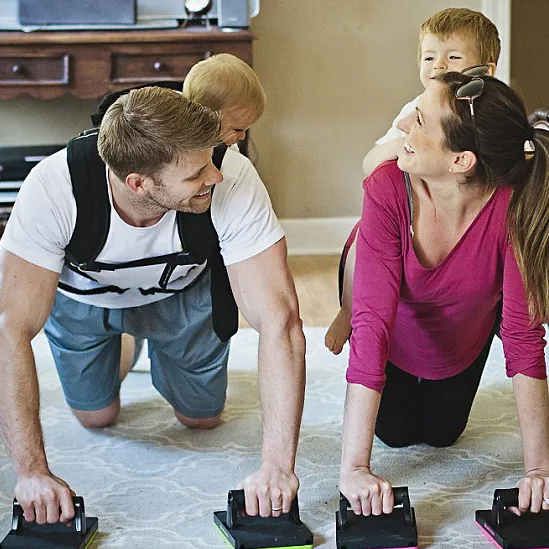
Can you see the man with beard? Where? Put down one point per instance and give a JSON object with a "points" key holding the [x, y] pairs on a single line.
{"points": [[172, 255]]}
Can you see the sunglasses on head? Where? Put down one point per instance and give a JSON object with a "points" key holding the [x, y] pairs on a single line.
{"points": [[474, 88]]}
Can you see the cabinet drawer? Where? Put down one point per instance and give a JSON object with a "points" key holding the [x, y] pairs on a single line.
{"points": [[135, 68], [34, 71]]}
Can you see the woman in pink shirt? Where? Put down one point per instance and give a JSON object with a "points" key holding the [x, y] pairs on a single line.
{"points": [[453, 239]]}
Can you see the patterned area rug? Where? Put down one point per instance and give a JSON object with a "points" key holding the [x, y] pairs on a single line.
{"points": [[153, 483]]}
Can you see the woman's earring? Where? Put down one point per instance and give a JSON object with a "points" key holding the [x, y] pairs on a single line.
{"points": [[450, 170]]}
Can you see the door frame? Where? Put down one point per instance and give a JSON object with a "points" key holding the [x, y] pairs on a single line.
{"points": [[499, 11]]}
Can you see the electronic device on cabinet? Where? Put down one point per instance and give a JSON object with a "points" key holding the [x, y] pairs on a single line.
{"points": [[33, 15]]}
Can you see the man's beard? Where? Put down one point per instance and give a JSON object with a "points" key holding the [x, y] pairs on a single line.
{"points": [[191, 205], [186, 206]]}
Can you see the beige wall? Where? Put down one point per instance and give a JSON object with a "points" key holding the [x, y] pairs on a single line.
{"points": [[336, 74], [530, 51]]}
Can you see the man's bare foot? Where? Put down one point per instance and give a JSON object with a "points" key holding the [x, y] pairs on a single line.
{"points": [[129, 353], [338, 332], [126, 355]]}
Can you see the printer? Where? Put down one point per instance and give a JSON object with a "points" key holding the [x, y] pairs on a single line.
{"points": [[15, 165]]}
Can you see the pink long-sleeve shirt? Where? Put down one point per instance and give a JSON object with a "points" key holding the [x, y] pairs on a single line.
{"points": [[434, 322]]}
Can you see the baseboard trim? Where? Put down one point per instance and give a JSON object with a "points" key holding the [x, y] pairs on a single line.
{"points": [[317, 236]]}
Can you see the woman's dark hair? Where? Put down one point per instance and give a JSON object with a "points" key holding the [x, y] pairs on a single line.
{"points": [[498, 139], [541, 114]]}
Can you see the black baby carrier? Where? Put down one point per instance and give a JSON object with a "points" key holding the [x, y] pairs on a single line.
{"points": [[199, 239]]}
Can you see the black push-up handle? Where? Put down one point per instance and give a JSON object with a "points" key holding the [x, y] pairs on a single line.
{"points": [[503, 498], [400, 495], [79, 516], [236, 504]]}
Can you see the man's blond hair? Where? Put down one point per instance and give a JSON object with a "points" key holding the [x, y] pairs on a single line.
{"points": [[224, 82], [471, 25], [148, 128]]}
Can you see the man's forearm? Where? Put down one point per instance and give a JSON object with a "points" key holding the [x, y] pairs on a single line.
{"points": [[19, 407], [532, 403], [282, 390]]}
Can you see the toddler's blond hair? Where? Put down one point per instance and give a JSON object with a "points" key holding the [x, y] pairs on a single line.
{"points": [[470, 25], [224, 82]]}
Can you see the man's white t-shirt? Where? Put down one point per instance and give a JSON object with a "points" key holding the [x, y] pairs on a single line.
{"points": [[44, 216], [393, 131]]}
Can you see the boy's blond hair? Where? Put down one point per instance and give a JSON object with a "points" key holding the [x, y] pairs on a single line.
{"points": [[469, 24], [224, 82]]}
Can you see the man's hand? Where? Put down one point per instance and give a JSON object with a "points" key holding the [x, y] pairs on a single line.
{"points": [[45, 498], [265, 293], [367, 493], [270, 491]]}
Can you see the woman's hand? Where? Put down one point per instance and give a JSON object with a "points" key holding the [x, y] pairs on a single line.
{"points": [[533, 492], [367, 493]]}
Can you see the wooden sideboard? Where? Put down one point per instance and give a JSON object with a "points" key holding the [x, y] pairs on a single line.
{"points": [[88, 64]]}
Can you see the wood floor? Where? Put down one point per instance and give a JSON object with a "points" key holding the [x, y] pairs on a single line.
{"points": [[315, 279]]}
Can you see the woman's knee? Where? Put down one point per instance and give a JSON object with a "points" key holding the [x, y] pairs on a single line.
{"points": [[395, 438], [403, 439], [199, 423], [97, 419], [443, 438]]}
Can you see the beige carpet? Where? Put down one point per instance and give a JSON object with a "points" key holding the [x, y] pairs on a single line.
{"points": [[153, 483]]}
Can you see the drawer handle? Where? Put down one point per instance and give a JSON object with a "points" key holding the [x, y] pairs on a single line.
{"points": [[18, 69], [158, 66]]}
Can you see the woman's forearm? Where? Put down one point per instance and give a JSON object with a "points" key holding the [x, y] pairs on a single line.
{"points": [[361, 406], [532, 401]]}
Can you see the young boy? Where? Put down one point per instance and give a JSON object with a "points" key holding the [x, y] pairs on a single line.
{"points": [[450, 40], [226, 84]]}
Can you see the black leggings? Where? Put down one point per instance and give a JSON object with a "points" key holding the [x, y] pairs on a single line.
{"points": [[435, 412]]}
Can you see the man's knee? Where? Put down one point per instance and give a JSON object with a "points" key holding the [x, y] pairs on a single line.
{"points": [[97, 419], [202, 423]]}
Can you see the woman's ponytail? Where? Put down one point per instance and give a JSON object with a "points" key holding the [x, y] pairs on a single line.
{"points": [[529, 227]]}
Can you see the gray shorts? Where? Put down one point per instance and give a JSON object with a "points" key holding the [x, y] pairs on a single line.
{"points": [[188, 361]]}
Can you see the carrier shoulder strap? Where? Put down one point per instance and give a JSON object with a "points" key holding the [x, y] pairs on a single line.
{"points": [[199, 237], [87, 172], [196, 231], [218, 155]]}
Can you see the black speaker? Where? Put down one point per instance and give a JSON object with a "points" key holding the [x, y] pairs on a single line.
{"points": [[233, 14]]}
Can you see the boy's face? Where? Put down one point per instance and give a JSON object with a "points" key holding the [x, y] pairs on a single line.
{"points": [[455, 53], [234, 124]]}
